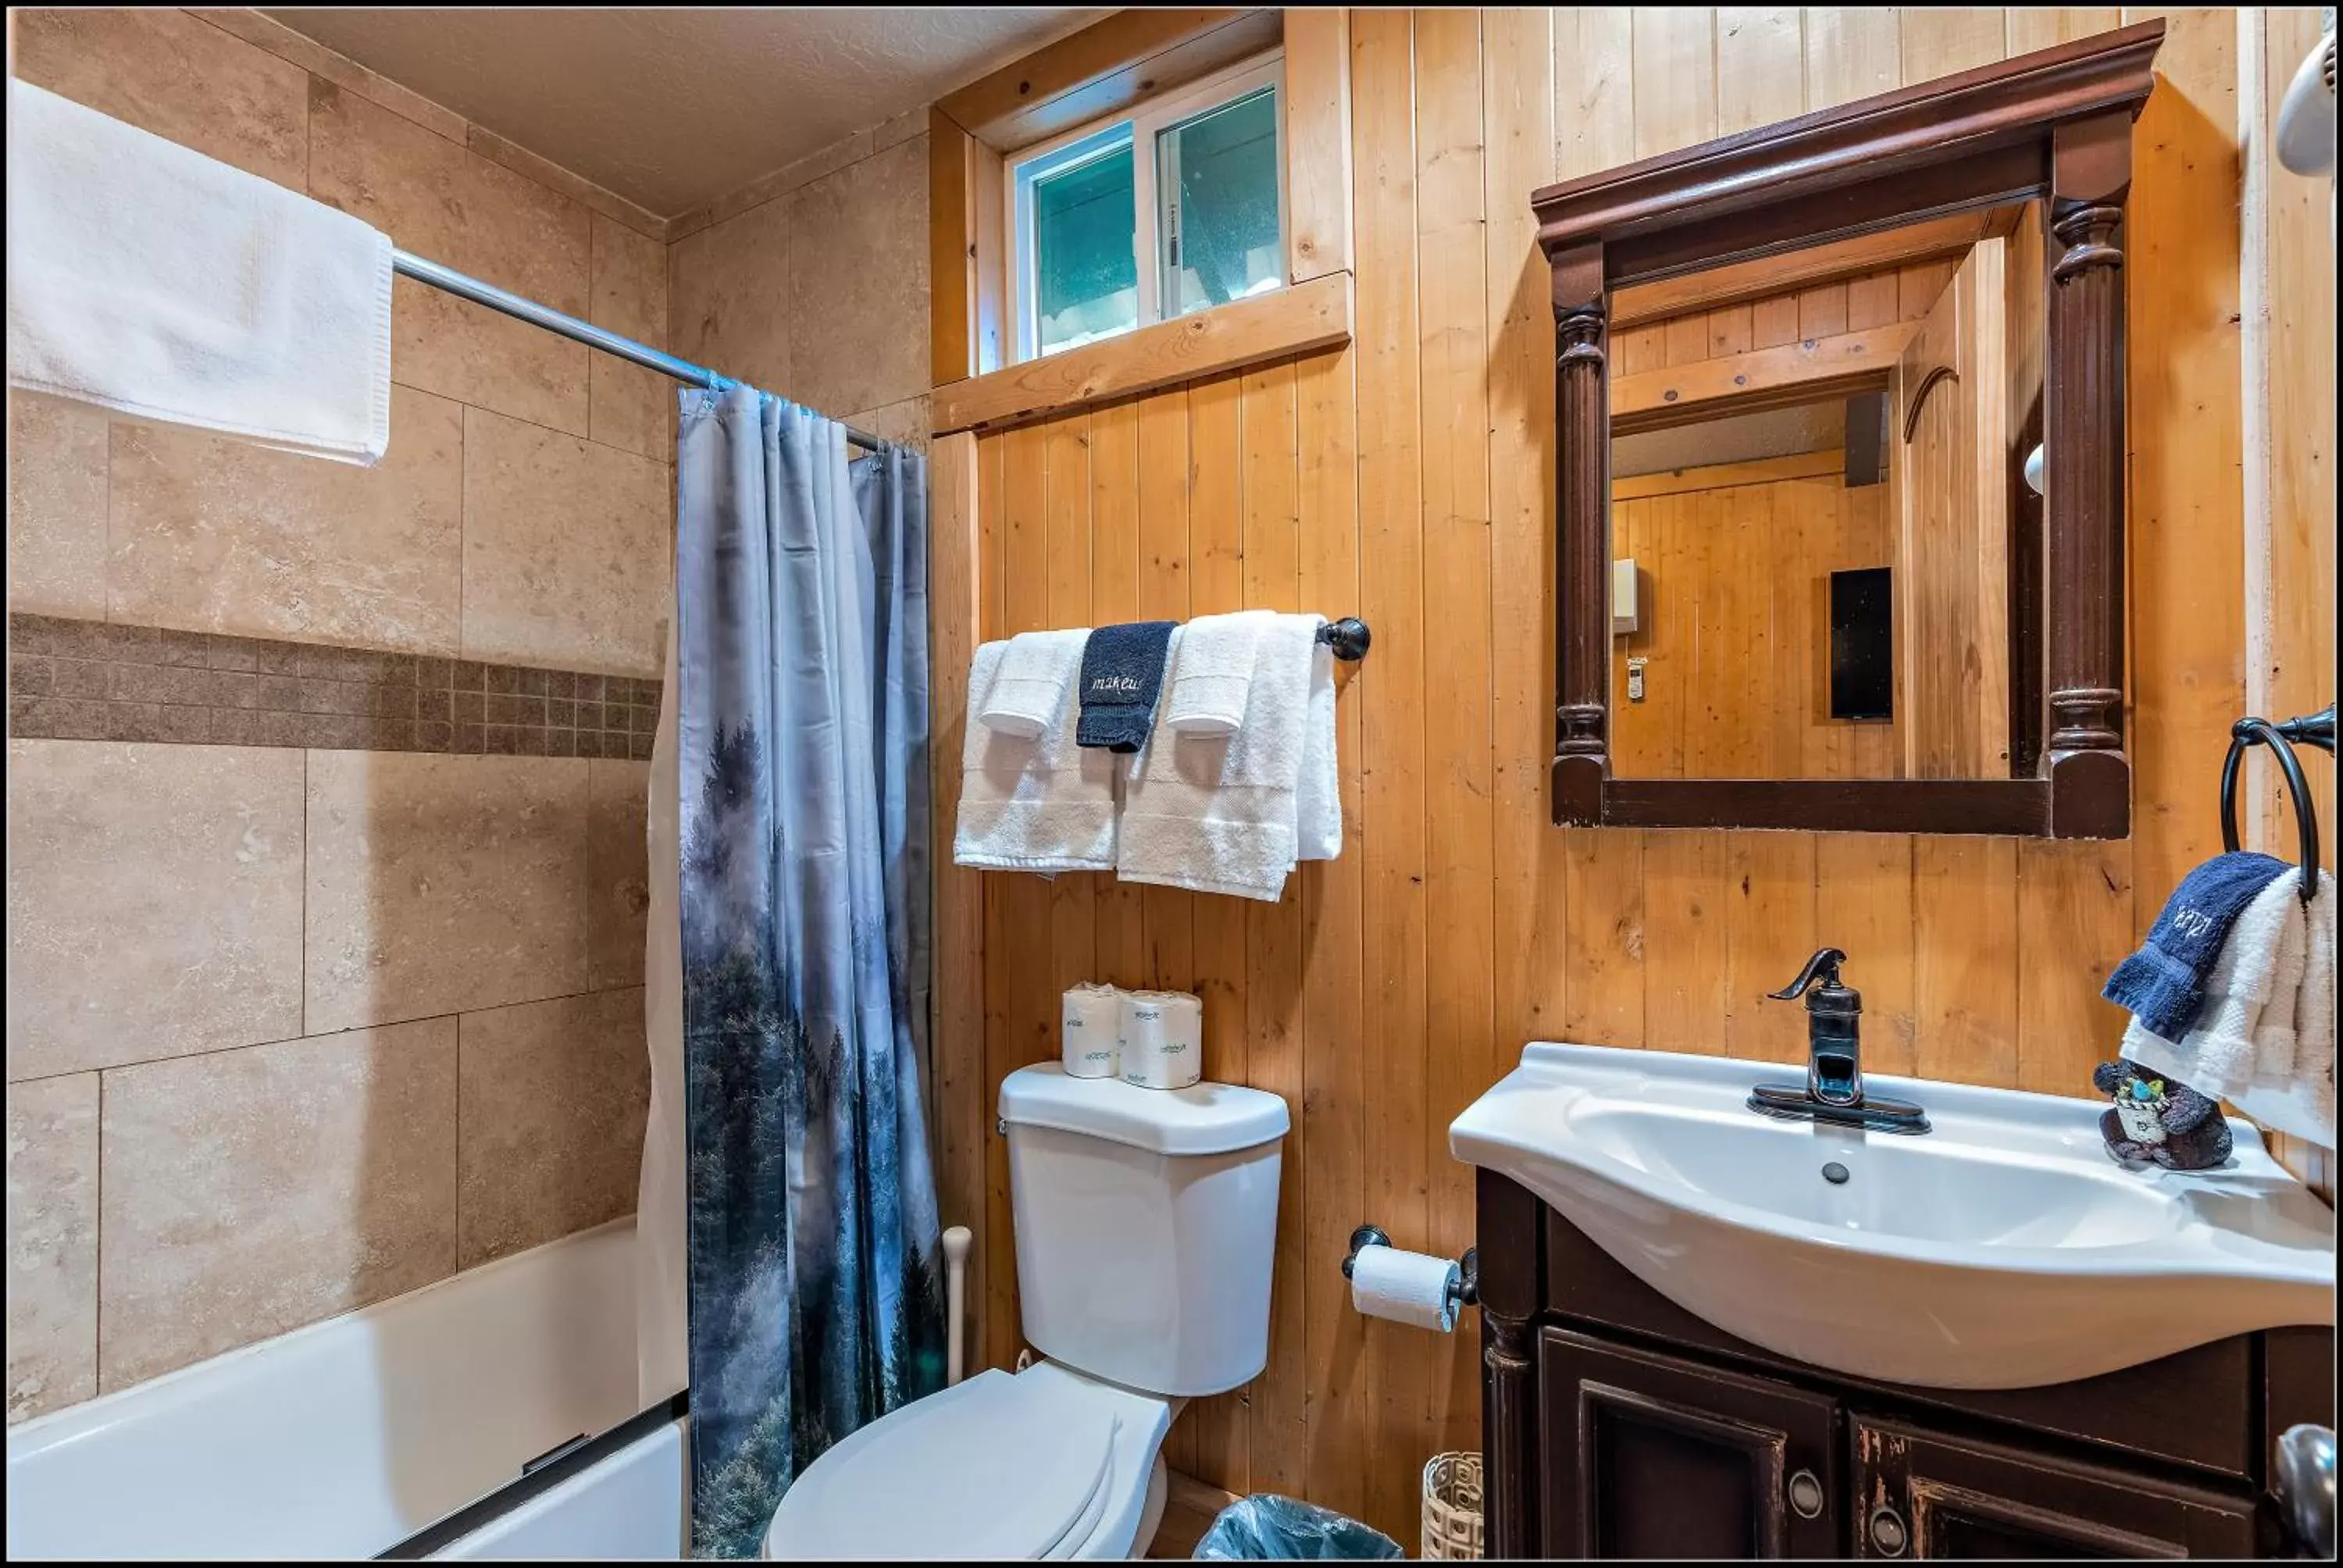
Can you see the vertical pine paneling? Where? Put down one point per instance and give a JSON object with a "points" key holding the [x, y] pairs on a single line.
{"points": [[1761, 67], [1409, 477], [1459, 829], [2186, 555], [1594, 89], [1274, 947], [1116, 572], [1675, 77], [1216, 545], [1391, 694], [1852, 51], [1529, 956], [1341, 1419]]}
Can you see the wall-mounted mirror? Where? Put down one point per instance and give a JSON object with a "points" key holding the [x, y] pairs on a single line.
{"points": [[1801, 577], [1826, 564]]}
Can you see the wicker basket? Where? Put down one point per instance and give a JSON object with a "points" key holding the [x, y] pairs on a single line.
{"points": [[1452, 1507]]}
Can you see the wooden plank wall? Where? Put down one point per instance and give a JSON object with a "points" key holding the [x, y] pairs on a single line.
{"points": [[1734, 563], [1409, 477], [2290, 457]]}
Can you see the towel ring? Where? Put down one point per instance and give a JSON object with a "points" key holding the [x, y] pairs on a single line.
{"points": [[2247, 732]]}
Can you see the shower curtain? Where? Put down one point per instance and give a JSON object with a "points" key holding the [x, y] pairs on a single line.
{"points": [[798, 694]]}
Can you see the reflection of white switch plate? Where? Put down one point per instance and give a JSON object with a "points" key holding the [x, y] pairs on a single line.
{"points": [[1635, 680]]}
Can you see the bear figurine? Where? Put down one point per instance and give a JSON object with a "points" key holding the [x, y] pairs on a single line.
{"points": [[2152, 1119]]}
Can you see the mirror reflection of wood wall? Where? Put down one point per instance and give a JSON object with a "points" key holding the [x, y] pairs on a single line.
{"points": [[1763, 442]]}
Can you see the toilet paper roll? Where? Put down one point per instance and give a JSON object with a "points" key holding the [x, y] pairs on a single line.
{"points": [[1092, 1036], [1405, 1287], [1163, 1039]]}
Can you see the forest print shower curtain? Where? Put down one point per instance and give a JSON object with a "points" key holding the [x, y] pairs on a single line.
{"points": [[816, 1296]]}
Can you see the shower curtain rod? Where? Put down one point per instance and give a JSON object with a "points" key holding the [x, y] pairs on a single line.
{"points": [[513, 304]]}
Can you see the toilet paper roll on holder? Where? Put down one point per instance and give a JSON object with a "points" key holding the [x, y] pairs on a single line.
{"points": [[1465, 1291]]}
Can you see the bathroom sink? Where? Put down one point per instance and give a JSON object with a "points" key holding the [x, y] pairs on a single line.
{"points": [[2003, 1249]]}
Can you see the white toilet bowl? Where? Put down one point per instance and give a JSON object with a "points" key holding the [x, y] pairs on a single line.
{"points": [[1045, 1463]]}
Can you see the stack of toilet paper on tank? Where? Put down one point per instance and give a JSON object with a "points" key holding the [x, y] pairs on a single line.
{"points": [[1154, 1038]]}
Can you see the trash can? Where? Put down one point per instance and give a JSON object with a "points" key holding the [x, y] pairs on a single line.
{"points": [[1267, 1527]]}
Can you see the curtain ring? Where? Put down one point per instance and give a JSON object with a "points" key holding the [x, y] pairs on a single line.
{"points": [[2245, 732]]}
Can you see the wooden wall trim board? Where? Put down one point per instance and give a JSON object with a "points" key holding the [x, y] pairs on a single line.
{"points": [[1110, 65], [1979, 957], [1295, 320], [1742, 282], [1317, 142], [1724, 475], [1807, 370]]}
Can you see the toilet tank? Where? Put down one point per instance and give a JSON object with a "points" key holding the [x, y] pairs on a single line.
{"points": [[1146, 1224]]}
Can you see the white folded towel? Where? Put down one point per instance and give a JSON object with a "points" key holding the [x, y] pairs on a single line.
{"points": [[1208, 688], [2265, 1038], [1042, 804], [1221, 813], [1318, 796], [147, 278], [1031, 685]]}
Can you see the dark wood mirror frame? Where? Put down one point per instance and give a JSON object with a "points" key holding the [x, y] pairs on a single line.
{"points": [[2056, 125]]}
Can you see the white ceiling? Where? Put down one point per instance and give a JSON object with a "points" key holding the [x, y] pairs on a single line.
{"points": [[671, 107]]}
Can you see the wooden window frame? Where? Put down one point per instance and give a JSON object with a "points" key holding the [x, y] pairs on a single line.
{"points": [[1103, 71], [2056, 125], [1161, 112]]}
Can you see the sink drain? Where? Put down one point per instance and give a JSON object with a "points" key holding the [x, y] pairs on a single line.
{"points": [[1835, 1173]]}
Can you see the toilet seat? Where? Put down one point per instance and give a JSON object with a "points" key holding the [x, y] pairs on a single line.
{"points": [[1041, 1464]]}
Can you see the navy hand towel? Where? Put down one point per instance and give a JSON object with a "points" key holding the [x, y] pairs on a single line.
{"points": [[2163, 984], [1122, 674]]}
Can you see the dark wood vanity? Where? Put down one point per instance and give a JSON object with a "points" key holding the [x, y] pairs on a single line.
{"points": [[1617, 1425]]}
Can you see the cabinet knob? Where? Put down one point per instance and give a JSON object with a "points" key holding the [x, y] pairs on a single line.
{"points": [[1888, 1536], [1805, 1494]]}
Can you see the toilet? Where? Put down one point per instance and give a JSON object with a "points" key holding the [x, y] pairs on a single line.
{"points": [[1145, 1222]]}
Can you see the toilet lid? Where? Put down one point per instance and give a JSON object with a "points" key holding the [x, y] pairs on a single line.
{"points": [[998, 1466]]}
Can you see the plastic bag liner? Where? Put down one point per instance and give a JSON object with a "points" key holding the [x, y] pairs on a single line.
{"points": [[1268, 1528]]}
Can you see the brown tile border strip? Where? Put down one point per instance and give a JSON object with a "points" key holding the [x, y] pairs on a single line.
{"points": [[94, 680]]}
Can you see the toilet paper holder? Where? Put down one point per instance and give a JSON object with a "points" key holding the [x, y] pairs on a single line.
{"points": [[1465, 1291]]}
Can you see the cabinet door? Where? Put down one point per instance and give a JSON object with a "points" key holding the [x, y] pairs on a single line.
{"points": [[1649, 1456], [1919, 1494]]}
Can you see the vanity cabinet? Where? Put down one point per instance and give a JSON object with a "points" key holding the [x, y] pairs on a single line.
{"points": [[1616, 1424]]}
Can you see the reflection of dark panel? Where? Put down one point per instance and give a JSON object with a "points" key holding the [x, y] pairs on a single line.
{"points": [[1866, 439], [2029, 715], [1863, 641]]}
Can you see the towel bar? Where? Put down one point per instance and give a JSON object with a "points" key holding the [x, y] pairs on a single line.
{"points": [[1348, 637]]}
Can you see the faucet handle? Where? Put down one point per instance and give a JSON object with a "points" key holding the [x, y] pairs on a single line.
{"points": [[1823, 966]]}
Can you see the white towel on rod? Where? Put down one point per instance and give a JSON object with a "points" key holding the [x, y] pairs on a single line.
{"points": [[1207, 690], [1040, 803], [1221, 813], [1032, 682], [2265, 1038], [147, 278]]}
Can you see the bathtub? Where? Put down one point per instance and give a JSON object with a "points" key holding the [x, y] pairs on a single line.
{"points": [[402, 1428]]}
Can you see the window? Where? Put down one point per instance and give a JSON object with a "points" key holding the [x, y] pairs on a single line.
{"points": [[1175, 208]]}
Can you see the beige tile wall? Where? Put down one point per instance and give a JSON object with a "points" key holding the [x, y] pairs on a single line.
{"points": [[253, 994], [812, 282], [324, 1026]]}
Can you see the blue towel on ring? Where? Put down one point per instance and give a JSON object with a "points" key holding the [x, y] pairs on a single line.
{"points": [[2163, 984], [1122, 674]]}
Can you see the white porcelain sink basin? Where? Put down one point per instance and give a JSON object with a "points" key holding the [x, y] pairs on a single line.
{"points": [[2003, 1249]]}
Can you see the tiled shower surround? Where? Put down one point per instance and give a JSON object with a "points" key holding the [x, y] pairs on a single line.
{"points": [[93, 680]]}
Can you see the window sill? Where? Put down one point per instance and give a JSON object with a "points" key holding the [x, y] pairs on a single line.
{"points": [[1293, 320]]}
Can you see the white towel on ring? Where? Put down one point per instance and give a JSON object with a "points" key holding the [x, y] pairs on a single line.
{"points": [[1032, 682]]}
